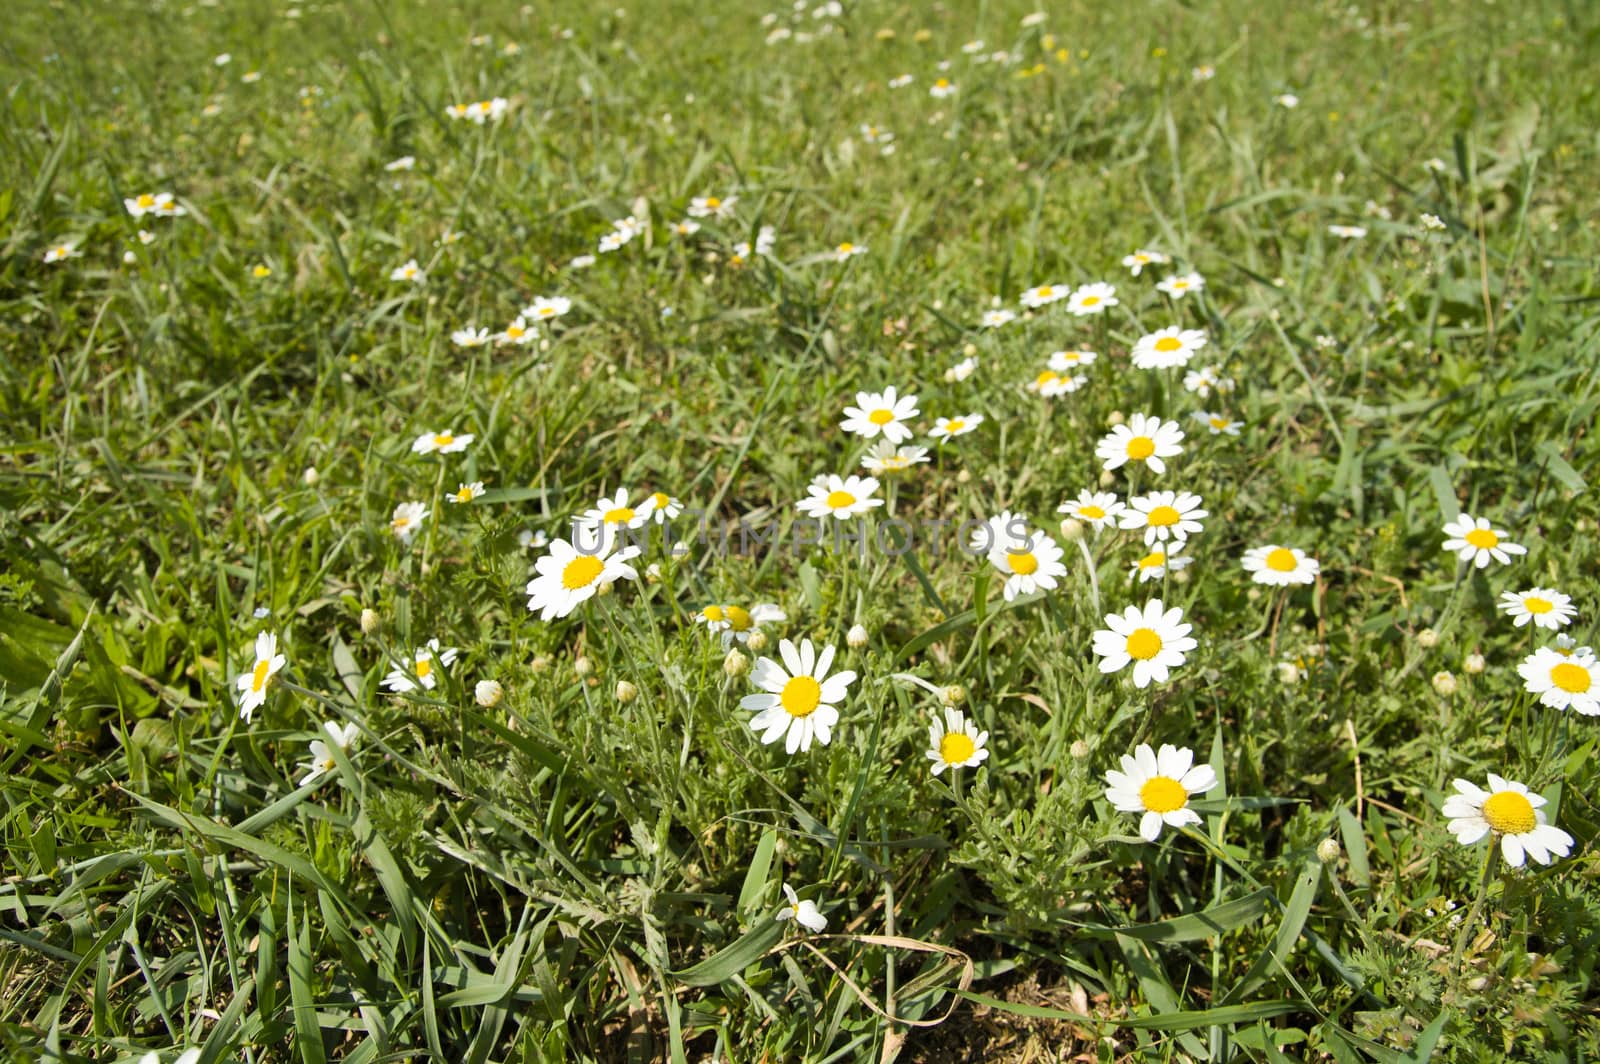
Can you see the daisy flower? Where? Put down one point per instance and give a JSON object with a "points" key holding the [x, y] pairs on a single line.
{"points": [[955, 742], [1203, 382], [470, 337], [407, 519], [961, 371], [662, 507], [1280, 566], [160, 204], [1164, 515], [1158, 787], [1028, 567], [1287, 100], [612, 513], [804, 913], [67, 249], [1064, 361], [1475, 540], [873, 135], [1144, 439], [1002, 531], [410, 271], [1219, 424], [1567, 646], [799, 699], [519, 333], [1097, 509], [1156, 565], [841, 497], [1050, 384], [1510, 810], [1143, 257], [1164, 348], [1543, 606], [424, 664], [885, 457], [901, 81], [445, 442], [946, 428], [847, 251], [1181, 284], [1569, 680], [736, 622], [322, 762], [1043, 295], [712, 206], [686, 227], [993, 319], [405, 162], [765, 239], [941, 89], [1348, 232], [568, 578], [1092, 299], [547, 308], [1154, 639], [884, 412], [466, 492], [252, 685]]}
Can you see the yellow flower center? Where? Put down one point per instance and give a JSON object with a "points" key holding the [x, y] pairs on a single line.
{"points": [[895, 461], [262, 271], [1219, 423], [259, 677], [1144, 644], [942, 83], [400, 523], [1047, 377], [443, 439], [1168, 343], [713, 202], [1162, 516], [1045, 291], [1509, 813], [661, 500], [1090, 301], [1163, 794], [801, 696], [739, 618], [515, 332], [1154, 560], [881, 417], [1482, 538], [147, 201], [581, 572], [846, 248], [1573, 679], [547, 312], [713, 614], [618, 516], [954, 426], [1535, 604], [1281, 560], [838, 500], [956, 748], [1141, 447], [1092, 512], [424, 668], [1022, 564]]}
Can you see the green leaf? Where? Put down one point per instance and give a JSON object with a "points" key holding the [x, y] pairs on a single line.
{"points": [[729, 962], [307, 1031], [1444, 492], [1558, 467], [1193, 927], [1294, 919], [755, 877], [1355, 847]]}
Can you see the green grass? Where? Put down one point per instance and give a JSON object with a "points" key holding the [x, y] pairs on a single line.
{"points": [[567, 876]]}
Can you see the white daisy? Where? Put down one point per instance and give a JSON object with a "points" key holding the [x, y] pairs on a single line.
{"points": [[847, 251], [612, 513], [1157, 564], [662, 507], [1144, 438], [840, 497], [993, 319], [712, 206], [1509, 810], [1092, 299], [322, 762], [1218, 424], [1031, 566], [1568, 680], [1348, 232], [1153, 639], [1204, 381], [407, 519], [252, 685], [1475, 540], [1181, 284], [1097, 509], [1066, 361], [885, 458], [1280, 566], [1287, 100], [881, 412], [1049, 383], [1141, 258], [410, 271], [67, 249], [961, 371], [518, 334], [800, 699], [443, 442], [1002, 532], [946, 428], [160, 204], [736, 622], [686, 227], [1543, 606], [1158, 786], [805, 913], [547, 308], [1044, 295], [1172, 346], [1165, 515], [568, 578], [941, 89], [956, 742], [470, 337], [405, 162], [421, 670]]}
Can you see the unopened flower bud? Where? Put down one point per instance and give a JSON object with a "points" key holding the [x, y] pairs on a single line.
{"points": [[1328, 850], [370, 622], [1288, 672], [1427, 639], [1444, 683], [1474, 664], [604, 588], [583, 666], [652, 573], [1079, 749], [954, 695], [311, 476], [1114, 418], [488, 693], [540, 663], [757, 641], [735, 664], [626, 692], [1071, 529], [1107, 478], [857, 636]]}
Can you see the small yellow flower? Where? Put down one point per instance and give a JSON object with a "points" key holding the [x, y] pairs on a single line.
{"points": [[261, 270]]}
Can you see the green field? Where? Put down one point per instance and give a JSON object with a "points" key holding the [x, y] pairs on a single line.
{"points": [[265, 267]]}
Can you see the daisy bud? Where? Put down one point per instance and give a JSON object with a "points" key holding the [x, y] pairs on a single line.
{"points": [[1444, 683], [311, 476], [1114, 418], [488, 694], [540, 663], [757, 641], [370, 622], [129, 258], [1071, 529], [626, 692], [1107, 478], [605, 588], [1288, 673], [583, 666], [735, 664], [1328, 851], [652, 573], [963, 477], [1180, 576], [857, 637], [1079, 749], [1474, 664], [970, 350], [954, 695], [1427, 639]]}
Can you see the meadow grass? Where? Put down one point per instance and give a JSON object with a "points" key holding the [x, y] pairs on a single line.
{"points": [[208, 434]]}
